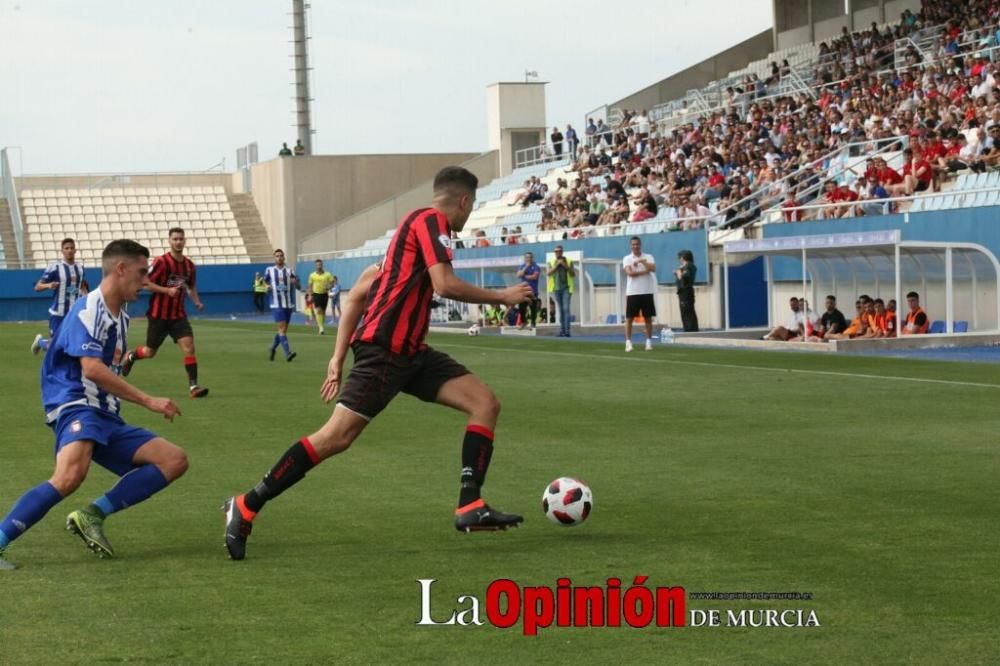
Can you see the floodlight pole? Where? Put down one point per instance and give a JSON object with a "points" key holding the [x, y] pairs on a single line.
{"points": [[899, 287], [303, 117], [949, 301]]}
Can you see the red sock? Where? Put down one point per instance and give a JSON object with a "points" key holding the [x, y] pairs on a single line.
{"points": [[191, 366], [143, 352]]}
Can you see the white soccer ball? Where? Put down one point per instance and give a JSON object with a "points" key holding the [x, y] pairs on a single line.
{"points": [[473, 330], [567, 501]]}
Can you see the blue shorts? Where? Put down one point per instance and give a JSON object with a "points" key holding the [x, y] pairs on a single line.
{"points": [[54, 322], [282, 315], [115, 442]]}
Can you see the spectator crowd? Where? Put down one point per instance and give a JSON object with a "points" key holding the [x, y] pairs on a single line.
{"points": [[768, 149]]}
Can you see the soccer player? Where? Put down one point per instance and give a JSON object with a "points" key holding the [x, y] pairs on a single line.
{"points": [[66, 279], [172, 276], [390, 356], [81, 395], [281, 281], [320, 282]]}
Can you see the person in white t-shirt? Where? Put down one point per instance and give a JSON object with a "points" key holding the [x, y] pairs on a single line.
{"points": [[640, 290], [794, 328]]}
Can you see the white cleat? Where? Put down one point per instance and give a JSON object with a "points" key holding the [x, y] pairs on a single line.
{"points": [[628, 345], [36, 344], [649, 345]]}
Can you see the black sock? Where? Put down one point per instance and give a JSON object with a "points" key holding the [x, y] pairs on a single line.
{"points": [[191, 365], [289, 470], [477, 449]]}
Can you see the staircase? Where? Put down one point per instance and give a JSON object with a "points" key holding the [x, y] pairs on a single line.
{"points": [[9, 257], [251, 228]]}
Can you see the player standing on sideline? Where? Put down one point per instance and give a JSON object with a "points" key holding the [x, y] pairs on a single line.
{"points": [[281, 281], [171, 277], [320, 282], [640, 289], [81, 395], [335, 300], [66, 279], [390, 356]]}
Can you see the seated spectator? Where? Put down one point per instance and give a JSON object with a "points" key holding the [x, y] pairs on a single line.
{"points": [[917, 175], [833, 194], [831, 322], [794, 328], [916, 319], [857, 327], [481, 240], [885, 320]]}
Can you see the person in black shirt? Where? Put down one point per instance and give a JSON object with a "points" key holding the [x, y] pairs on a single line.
{"points": [[685, 290], [832, 321]]}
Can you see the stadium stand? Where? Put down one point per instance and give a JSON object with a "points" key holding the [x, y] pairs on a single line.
{"points": [[745, 148], [96, 216]]}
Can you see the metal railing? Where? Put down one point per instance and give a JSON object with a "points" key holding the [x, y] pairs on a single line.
{"points": [[541, 154], [10, 194]]}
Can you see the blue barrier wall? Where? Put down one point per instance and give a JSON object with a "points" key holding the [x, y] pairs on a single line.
{"points": [[962, 225], [663, 246], [225, 290]]}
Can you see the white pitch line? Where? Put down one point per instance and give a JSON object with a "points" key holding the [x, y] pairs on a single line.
{"points": [[641, 357]]}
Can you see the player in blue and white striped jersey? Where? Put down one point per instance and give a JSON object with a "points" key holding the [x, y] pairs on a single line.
{"points": [[82, 392], [281, 282], [65, 278]]}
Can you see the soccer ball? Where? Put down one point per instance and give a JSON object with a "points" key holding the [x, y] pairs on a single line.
{"points": [[473, 330], [567, 501]]}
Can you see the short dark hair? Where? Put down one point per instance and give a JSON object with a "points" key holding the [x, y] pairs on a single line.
{"points": [[277, 250], [913, 294], [455, 177], [123, 249], [831, 297], [634, 238], [686, 255], [878, 301], [175, 230], [67, 240]]}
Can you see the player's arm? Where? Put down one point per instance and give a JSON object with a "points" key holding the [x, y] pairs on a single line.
{"points": [[351, 309], [195, 298], [157, 289], [42, 285], [448, 285], [650, 265], [94, 370]]}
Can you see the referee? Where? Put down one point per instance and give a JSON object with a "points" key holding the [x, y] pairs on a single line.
{"points": [[320, 282]]}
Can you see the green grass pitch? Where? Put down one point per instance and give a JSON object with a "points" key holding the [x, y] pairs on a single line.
{"points": [[848, 478]]}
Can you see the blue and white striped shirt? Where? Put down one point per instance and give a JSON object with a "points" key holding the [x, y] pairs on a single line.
{"points": [[282, 282], [70, 279], [89, 330]]}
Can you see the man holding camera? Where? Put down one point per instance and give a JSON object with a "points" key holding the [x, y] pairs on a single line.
{"points": [[561, 274]]}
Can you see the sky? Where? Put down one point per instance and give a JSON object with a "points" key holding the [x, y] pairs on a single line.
{"points": [[116, 86]]}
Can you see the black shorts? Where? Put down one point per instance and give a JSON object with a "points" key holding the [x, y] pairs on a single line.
{"points": [[159, 329], [378, 375], [640, 303], [922, 186], [320, 301]]}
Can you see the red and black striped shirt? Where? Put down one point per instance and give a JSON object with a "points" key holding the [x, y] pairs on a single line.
{"points": [[398, 310], [170, 272]]}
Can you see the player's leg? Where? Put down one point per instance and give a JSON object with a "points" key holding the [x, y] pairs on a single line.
{"points": [[156, 333], [72, 463], [319, 311], [185, 340], [41, 343], [372, 384], [648, 312], [283, 334], [467, 393]]}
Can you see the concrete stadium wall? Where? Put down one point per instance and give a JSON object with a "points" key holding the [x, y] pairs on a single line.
{"points": [[225, 290], [353, 231], [83, 180], [697, 76], [299, 196], [801, 21]]}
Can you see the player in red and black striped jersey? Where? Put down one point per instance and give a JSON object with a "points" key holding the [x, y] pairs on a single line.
{"points": [[171, 279], [390, 356]]}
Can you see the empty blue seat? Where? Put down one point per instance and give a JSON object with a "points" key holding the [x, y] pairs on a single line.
{"points": [[961, 327], [611, 319], [937, 327]]}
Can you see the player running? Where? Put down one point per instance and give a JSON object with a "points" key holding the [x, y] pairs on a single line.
{"points": [[319, 282], [281, 282], [82, 394], [390, 356], [66, 279], [172, 276]]}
